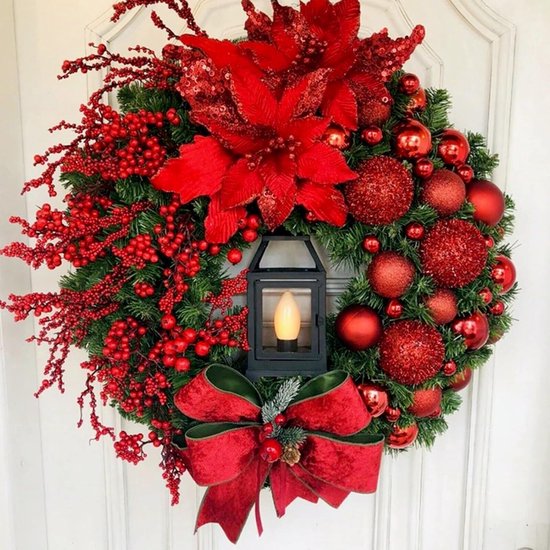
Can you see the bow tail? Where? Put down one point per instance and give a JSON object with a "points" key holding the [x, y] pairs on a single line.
{"points": [[229, 504], [285, 488], [332, 495]]}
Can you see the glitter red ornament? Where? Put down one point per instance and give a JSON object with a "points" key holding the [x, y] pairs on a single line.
{"points": [[336, 137], [402, 437], [442, 306], [453, 253], [474, 329], [488, 201], [411, 352], [460, 380], [371, 244], [382, 193], [444, 191], [466, 172], [412, 140], [503, 273], [375, 398], [358, 327], [409, 83], [390, 274], [453, 147], [372, 135], [426, 402], [423, 168], [394, 309], [415, 231], [373, 112]]}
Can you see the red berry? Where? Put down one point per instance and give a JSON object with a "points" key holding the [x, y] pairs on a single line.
{"points": [[280, 419], [214, 249], [371, 244], [271, 450], [189, 334], [267, 428], [449, 368], [486, 295], [250, 235], [202, 349], [497, 308], [182, 364], [392, 414], [168, 322], [253, 222], [234, 255]]}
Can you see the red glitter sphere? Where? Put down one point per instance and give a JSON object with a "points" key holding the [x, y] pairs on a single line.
{"points": [[504, 273], [453, 147], [453, 253], [442, 306], [426, 402], [358, 327], [488, 201], [390, 274], [412, 140], [444, 191], [382, 193], [401, 438], [411, 352], [373, 112]]}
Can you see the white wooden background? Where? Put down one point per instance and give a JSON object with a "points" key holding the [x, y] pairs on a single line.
{"points": [[486, 483]]}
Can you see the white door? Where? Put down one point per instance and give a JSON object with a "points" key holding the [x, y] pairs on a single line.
{"points": [[486, 483]]}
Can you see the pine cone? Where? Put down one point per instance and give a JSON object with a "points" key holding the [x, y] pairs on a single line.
{"points": [[291, 455]]}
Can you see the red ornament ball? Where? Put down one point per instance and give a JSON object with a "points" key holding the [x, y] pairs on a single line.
{"points": [[488, 201], [474, 329], [336, 137], [415, 231], [372, 135], [460, 380], [358, 327], [411, 352], [382, 193], [393, 414], [453, 253], [249, 235], [234, 255], [271, 450], [401, 438], [375, 398], [390, 274], [417, 101], [371, 244], [453, 147], [423, 168], [409, 83], [444, 191], [504, 273], [373, 112], [442, 306], [426, 402], [412, 140], [394, 309], [466, 172], [497, 308], [486, 295], [449, 368]]}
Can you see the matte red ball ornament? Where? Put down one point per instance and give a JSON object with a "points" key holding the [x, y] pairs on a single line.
{"points": [[394, 309], [474, 329], [411, 352], [426, 402], [442, 306], [417, 101], [412, 140], [488, 201], [453, 252], [423, 168], [371, 244], [415, 231], [460, 380], [234, 255], [444, 191], [401, 438], [449, 368], [358, 327], [372, 135], [390, 274], [392, 414], [466, 172], [271, 450], [504, 273], [453, 147], [409, 83], [374, 397], [382, 193], [336, 137]]}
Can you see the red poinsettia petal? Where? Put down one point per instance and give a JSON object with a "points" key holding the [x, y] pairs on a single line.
{"points": [[275, 210], [306, 130], [320, 16], [234, 137], [279, 174], [199, 170], [240, 185], [325, 165], [340, 104], [324, 201], [268, 57], [221, 224], [254, 100], [303, 98], [284, 30], [347, 14], [258, 24]]}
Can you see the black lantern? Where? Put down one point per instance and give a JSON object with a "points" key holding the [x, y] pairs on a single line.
{"points": [[286, 319]]}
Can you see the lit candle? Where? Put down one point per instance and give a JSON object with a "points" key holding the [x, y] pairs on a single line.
{"points": [[287, 323]]}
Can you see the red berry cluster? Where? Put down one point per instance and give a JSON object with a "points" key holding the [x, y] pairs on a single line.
{"points": [[130, 447], [138, 252], [249, 227], [144, 290], [122, 338]]}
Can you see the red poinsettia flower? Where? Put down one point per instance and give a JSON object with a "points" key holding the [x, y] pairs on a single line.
{"points": [[261, 148], [324, 35]]}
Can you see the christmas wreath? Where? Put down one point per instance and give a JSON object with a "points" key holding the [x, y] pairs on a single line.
{"points": [[299, 131]]}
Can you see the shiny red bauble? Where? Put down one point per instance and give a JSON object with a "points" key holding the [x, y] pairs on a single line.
{"points": [[504, 273], [358, 327], [444, 191], [393, 414], [442, 306], [249, 235], [453, 147], [415, 231], [401, 438], [497, 308], [460, 380], [234, 256], [449, 368], [466, 172], [409, 83], [423, 168], [412, 140], [374, 397], [417, 101], [271, 450], [371, 244], [390, 274], [394, 309], [336, 137], [426, 402], [488, 201], [486, 295], [474, 329], [372, 135]]}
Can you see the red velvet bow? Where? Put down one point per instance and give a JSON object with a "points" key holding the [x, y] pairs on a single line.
{"points": [[223, 453]]}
